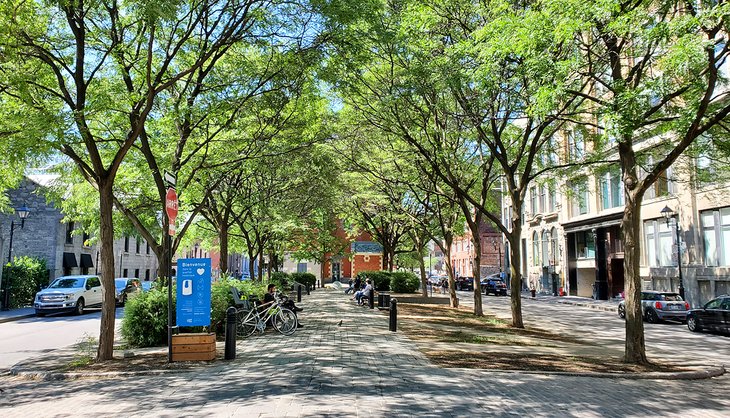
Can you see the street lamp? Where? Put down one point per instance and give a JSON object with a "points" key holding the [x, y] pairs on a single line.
{"points": [[23, 213], [668, 214], [498, 248]]}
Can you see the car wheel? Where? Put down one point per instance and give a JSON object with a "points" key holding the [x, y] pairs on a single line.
{"points": [[651, 316], [622, 311], [693, 324], [80, 307]]}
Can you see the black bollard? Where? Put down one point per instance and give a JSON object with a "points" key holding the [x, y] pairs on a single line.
{"points": [[307, 289], [299, 293], [393, 324], [230, 333], [371, 299]]}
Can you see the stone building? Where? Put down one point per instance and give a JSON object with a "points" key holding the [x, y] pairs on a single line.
{"points": [[64, 245]]}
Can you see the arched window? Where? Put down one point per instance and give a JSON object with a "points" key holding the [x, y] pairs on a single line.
{"points": [[545, 245], [554, 246], [535, 249]]}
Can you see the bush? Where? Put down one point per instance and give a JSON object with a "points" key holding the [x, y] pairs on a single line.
{"points": [[305, 279], [404, 282], [381, 279], [145, 316], [27, 275], [280, 279]]}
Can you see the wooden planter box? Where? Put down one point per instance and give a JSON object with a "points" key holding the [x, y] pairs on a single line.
{"points": [[192, 347]]}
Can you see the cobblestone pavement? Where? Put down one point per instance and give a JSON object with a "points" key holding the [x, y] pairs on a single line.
{"points": [[360, 369]]}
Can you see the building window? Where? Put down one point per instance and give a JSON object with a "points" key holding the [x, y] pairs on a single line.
{"points": [[579, 202], [148, 248], [554, 246], [543, 198], [552, 199], [533, 200], [545, 243], [535, 249], [576, 145], [658, 239], [136, 273], [126, 245], [124, 273], [716, 236], [611, 189], [585, 246], [138, 246], [69, 233], [147, 274], [662, 186]]}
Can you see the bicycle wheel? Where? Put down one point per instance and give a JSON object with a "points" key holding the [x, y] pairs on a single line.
{"points": [[246, 323], [285, 321]]}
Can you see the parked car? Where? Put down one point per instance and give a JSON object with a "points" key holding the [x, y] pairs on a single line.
{"points": [[124, 288], [464, 283], [69, 294], [715, 315], [494, 284], [146, 286], [659, 306]]}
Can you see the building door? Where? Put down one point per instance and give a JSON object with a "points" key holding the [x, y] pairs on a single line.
{"points": [[616, 276]]}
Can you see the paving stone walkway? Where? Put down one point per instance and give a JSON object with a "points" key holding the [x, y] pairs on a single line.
{"points": [[355, 368]]}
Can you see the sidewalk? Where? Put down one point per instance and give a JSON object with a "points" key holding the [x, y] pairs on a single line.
{"points": [[345, 362], [16, 314], [601, 305]]}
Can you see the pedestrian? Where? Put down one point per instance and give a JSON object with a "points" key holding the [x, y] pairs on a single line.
{"points": [[364, 292], [351, 288], [444, 286]]}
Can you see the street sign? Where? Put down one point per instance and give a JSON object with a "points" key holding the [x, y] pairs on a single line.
{"points": [[170, 179], [171, 208], [193, 292]]}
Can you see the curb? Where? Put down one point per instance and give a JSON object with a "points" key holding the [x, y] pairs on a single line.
{"points": [[16, 318], [706, 373], [53, 376]]}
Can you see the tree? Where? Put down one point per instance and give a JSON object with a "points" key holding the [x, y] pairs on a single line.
{"points": [[655, 73], [95, 70]]}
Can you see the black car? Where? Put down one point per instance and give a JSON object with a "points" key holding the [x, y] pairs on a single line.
{"points": [[494, 284], [715, 315], [465, 283]]}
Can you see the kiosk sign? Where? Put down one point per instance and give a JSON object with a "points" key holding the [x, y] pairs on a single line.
{"points": [[193, 292]]}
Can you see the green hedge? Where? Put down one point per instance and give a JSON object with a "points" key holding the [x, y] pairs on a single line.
{"points": [[27, 276], [403, 282], [305, 279], [381, 279], [145, 316], [281, 280]]}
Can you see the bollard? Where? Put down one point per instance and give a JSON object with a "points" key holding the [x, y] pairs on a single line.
{"points": [[230, 333], [307, 289], [299, 293], [393, 325], [371, 299]]}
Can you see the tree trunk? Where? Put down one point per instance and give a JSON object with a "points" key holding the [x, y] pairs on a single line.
{"points": [[424, 279], [261, 265], [476, 272], [251, 270], [106, 238], [516, 278], [635, 344], [162, 261], [223, 238], [391, 259]]}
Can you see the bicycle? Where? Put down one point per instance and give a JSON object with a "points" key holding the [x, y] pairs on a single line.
{"points": [[283, 319]]}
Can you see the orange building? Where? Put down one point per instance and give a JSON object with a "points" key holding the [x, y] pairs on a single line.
{"points": [[362, 254]]}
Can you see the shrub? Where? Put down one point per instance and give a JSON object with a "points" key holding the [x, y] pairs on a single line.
{"points": [[305, 279], [403, 282], [145, 316], [27, 275], [280, 279], [381, 279]]}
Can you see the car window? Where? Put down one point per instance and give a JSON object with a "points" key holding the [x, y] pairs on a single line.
{"points": [[94, 282], [713, 304], [671, 297], [726, 303], [66, 283]]}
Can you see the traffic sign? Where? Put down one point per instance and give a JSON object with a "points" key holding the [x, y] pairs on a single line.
{"points": [[171, 208]]}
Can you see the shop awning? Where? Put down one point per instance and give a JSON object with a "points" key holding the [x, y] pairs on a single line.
{"points": [[69, 260], [86, 261]]}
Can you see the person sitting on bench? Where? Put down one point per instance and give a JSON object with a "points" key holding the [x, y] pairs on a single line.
{"points": [[365, 292]]}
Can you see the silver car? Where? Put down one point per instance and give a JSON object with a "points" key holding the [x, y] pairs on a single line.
{"points": [[659, 306]]}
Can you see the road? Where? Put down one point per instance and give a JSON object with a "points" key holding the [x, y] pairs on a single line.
{"points": [[670, 341], [31, 337]]}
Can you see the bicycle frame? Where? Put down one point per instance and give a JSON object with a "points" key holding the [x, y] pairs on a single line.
{"points": [[256, 319]]}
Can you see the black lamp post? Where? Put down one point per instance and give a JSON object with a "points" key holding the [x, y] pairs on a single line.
{"points": [[669, 214], [498, 248], [23, 213]]}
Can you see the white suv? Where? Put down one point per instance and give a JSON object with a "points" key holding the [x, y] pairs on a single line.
{"points": [[69, 294]]}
